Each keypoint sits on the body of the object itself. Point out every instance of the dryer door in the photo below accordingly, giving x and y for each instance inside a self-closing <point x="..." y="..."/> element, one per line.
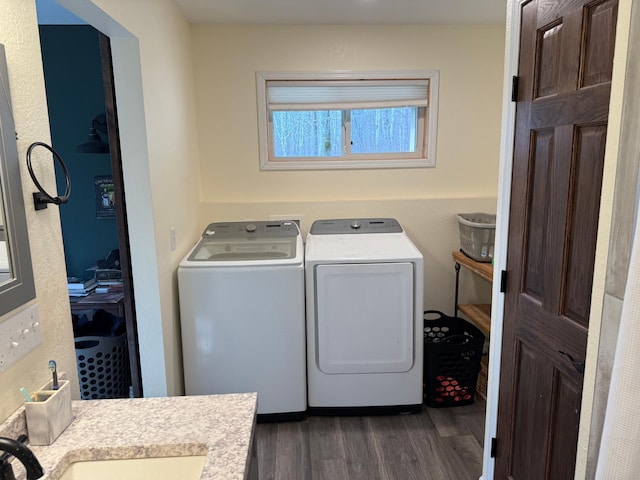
<point x="364" y="318"/>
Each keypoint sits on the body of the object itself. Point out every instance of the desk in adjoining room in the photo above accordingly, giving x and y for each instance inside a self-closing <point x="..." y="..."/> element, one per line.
<point x="110" y="302"/>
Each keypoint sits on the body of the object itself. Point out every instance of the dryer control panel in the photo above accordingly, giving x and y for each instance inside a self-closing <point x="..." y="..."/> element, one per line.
<point x="355" y="225"/>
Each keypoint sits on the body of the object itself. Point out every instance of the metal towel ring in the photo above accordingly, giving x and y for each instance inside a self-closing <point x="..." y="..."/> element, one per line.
<point x="42" y="198"/>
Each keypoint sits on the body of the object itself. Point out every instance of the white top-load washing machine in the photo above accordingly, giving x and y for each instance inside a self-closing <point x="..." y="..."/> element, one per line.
<point x="242" y="314"/>
<point x="364" y="283"/>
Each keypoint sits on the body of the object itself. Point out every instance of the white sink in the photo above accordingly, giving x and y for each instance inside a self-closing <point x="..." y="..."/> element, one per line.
<point x="166" y="468"/>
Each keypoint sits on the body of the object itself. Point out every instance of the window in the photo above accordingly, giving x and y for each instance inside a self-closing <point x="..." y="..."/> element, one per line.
<point x="347" y="120"/>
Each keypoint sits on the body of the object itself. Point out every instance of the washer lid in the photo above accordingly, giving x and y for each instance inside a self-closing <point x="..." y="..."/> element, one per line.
<point x="246" y="241"/>
<point x="243" y="249"/>
<point x="355" y="226"/>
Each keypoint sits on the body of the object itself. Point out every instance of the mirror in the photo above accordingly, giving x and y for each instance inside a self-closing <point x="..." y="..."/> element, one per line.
<point x="5" y="267"/>
<point x="16" y="275"/>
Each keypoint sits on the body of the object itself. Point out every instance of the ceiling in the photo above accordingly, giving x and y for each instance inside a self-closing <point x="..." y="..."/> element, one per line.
<point x="319" y="12"/>
<point x="345" y="12"/>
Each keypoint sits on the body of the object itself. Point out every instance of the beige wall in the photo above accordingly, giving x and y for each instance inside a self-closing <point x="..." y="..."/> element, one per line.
<point x="424" y="200"/>
<point x="19" y="34"/>
<point x="470" y="64"/>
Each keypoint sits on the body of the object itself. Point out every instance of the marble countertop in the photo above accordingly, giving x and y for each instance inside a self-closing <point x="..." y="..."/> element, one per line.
<point x="220" y="426"/>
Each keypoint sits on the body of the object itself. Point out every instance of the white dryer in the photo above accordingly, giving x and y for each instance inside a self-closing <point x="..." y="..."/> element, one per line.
<point x="242" y="315"/>
<point x="364" y="284"/>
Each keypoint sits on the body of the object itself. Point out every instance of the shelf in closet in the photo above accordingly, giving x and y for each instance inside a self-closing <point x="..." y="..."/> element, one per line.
<point x="479" y="314"/>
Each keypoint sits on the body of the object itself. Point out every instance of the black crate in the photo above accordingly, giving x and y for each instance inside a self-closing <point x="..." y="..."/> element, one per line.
<point x="452" y="353"/>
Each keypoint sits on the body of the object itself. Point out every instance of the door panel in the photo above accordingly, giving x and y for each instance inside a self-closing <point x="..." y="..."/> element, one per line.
<point x="564" y="420"/>
<point x="365" y="317"/>
<point x="566" y="58"/>
<point x="599" y="43"/>
<point x="539" y="167"/>
<point x="585" y="196"/>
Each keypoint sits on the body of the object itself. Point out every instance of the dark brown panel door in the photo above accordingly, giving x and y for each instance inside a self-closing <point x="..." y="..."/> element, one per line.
<point x="566" y="57"/>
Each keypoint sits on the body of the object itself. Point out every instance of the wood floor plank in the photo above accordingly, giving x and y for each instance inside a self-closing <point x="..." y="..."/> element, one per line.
<point x="436" y="444"/>
<point x="447" y="421"/>
<point x="398" y="457"/>
<point x="478" y="406"/>
<point x="425" y="439"/>
<point x="455" y="459"/>
<point x="464" y="457"/>
<point x="475" y="423"/>
<point x="266" y="439"/>
<point x="361" y="460"/>
<point x="329" y="469"/>
<point x="325" y="440"/>
<point x="293" y="459"/>
<point x="472" y="416"/>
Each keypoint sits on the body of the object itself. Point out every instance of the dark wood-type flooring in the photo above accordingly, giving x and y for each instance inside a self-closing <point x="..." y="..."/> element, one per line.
<point x="436" y="444"/>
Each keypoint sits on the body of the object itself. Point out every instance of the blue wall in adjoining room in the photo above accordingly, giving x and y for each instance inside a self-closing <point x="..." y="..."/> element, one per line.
<point x="75" y="95"/>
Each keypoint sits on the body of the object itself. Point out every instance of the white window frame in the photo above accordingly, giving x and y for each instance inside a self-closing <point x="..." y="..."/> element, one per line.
<point x="424" y="157"/>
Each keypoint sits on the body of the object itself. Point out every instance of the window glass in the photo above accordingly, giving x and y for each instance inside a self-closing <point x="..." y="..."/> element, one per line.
<point x="307" y="133"/>
<point x="384" y="130"/>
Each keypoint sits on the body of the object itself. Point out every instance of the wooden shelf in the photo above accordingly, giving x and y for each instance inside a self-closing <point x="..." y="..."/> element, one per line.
<point x="484" y="270"/>
<point x="479" y="315"/>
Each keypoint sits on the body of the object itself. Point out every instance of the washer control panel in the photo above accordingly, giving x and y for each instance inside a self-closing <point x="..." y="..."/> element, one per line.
<point x="355" y="225"/>
<point x="248" y="230"/>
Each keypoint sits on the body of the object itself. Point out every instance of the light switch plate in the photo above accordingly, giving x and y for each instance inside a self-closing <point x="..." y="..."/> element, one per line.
<point x="172" y="235"/>
<point x="19" y="335"/>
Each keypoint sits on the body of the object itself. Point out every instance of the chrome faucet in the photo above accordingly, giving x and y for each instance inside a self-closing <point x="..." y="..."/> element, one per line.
<point x="22" y="453"/>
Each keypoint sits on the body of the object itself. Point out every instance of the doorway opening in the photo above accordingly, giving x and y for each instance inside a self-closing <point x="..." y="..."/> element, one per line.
<point x="81" y="103"/>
